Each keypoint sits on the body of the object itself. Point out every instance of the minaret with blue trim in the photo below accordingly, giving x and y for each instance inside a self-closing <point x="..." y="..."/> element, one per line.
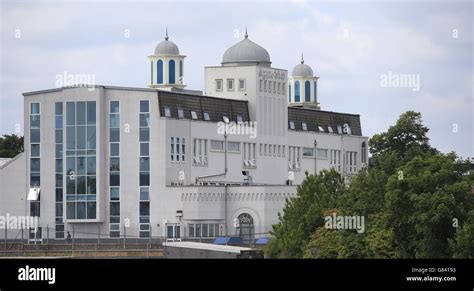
<point x="303" y="86"/>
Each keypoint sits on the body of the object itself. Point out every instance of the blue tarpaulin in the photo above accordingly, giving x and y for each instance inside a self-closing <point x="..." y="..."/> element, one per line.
<point x="262" y="241"/>
<point x="231" y="240"/>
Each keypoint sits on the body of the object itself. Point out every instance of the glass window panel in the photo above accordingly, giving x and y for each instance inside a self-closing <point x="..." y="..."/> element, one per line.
<point x="70" y="166"/>
<point x="81" y="137"/>
<point x="114" y="107"/>
<point x="114" y="179"/>
<point x="115" y="120"/>
<point x="59" y="194"/>
<point x="81" y="184"/>
<point x="58" y="109"/>
<point x="81" y="165"/>
<point x="206" y="116"/>
<point x="35" y="108"/>
<point x="34" y="135"/>
<point x="70" y="210"/>
<point x="59" y="165"/>
<point x="59" y="136"/>
<point x="144" y="120"/>
<point x="167" y="111"/>
<point x="91" y="210"/>
<point x="114" y="193"/>
<point x="115" y="234"/>
<point x="144" y="208"/>
<point x="71" y="137"/>
<point x="144" y="179"/>
<point x="81" y="210"/>
<point x="114" y="149"/>
<point x="59" y="151"/>
<point x="59" y="180"/>
<point x="114" y="208"/>
<point x="145" y="164"/>
<point x="35" y="165"/>
<point x="59" y="121"/>
<point x="204" y="230"/>
<point x="114" y="164"/>
<point x="144" y="193"/>
<point x="144" y="106"/>
<point x="114" y="135"/>
<point x="114" y="219"/>
<point x="191" y="230"/>
<point x="91" y="166"/>
<point x="70" y="185"/>
<point x="144" y="149"/>
<point x="91" y="137"/>
<point x="115" y="226"/>
<point x="81" y="113"/>
<point x="233" y="146"/>
<point x="35" y="150"/>
<point x="59" y="209"/>
<point x="91" y="112"/>
<point x="34" y="121"/>
<point x="70" y="113"/>
<point x="91" y="185"/>
<point x="145" y="134"/>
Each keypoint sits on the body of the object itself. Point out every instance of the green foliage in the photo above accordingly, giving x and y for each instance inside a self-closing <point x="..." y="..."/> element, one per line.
<point x="410" y="196"/>
<point x="10" y="145"/>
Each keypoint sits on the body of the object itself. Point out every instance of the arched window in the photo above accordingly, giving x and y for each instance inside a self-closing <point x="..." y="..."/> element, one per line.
<point x="289" y="93"/>
<point x="180" y="69"/>
<point x="159" y="76"/>
<point x="307" y="91"/>
<point x="364" y="153"/>
<point x="297" y="91"/>
<point x="171" y="72"/>
<point x="246" y="228"/>
<point x="151" y="64"/>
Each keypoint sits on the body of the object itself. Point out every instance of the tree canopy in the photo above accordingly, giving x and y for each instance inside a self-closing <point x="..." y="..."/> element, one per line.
<point x="10" y="145"/>
<point x="416" y="201"/>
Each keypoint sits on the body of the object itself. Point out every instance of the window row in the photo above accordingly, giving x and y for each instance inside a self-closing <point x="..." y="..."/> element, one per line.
<point x="272" y="150"/>
<point x="230" y="84"/>
<point x="339" y="129"/>
<point x="197" y="115"/>
<point x="274" y="87"/>
<point x="197" y="230"/>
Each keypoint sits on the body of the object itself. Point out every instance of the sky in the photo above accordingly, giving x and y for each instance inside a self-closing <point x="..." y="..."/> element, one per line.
<point x="359" y="49"/>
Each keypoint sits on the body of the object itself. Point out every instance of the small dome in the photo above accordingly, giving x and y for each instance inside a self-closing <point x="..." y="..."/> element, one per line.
<point x="166" y="47"/>
<point x="246" y="51"/>
<point x="302" y="70"/>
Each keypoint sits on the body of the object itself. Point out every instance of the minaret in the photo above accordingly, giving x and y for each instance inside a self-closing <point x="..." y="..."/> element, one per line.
<point x="303" y="86"/>
<point x="166" y="66"/>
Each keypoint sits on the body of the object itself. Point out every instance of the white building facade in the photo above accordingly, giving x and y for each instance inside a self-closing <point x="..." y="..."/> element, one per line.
<point x="159" y="162"/>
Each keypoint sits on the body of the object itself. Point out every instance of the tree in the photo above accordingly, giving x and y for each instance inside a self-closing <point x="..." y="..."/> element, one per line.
<point x="302" y="215"/>
<point x="10" y="145"/>
<point x="462" y="245"/>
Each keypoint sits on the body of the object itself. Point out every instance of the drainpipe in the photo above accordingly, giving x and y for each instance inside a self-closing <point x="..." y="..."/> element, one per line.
<point x="315" y="157"/>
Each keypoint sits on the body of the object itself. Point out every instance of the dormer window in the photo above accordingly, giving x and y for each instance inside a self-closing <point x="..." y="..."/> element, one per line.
<point x="339" y="129"/>
<point x="206" y="116"/>
<point x="292" y="125"/>
<point x="180" y="113"/>
<point x="330" y="129"/>
<point x="320" y="128"/>
<point x="304" y="126"/>
<point x="194" y="115"/>
<point x="239" y="119"/>
<point x="167" y="111"/>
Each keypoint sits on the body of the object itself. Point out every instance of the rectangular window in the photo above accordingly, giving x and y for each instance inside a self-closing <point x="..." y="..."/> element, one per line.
<point x="206" y="116"/>
<point x="230" y="84"/>
<point x="177" y="149"/>
<point x="219" y="85"/>
<point x="180" y="113"/>
<point x="322" y="153"/>
<point x="308" y="152"/>
<point x="241" y="84"/>
<point x="292" y="125"/>
<point x="304" y="126"/>
<point x="217" y="145"/>
<point x="194" y="115"/>
<point x="167" y="111"/>
<point x="200" y="152"/>
<point x="233" y="146"/>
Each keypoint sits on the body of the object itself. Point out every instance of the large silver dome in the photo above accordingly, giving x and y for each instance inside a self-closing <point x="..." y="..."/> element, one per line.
<point x="166" y="47"/>
<point x="302" y="70"/>
<point x="246" y="51"/>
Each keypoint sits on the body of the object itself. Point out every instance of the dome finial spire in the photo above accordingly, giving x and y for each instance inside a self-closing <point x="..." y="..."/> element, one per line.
<point x="167" y="37"/>
<point x="246" y="34"/>
<point x="302" y="58"/>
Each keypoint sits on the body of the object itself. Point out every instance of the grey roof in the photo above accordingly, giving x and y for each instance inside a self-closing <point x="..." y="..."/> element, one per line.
<point x="246" y="51"/>
<point x="302" y="70"/>
<point x="315" y="118"/>
<point x="215" y="107"/>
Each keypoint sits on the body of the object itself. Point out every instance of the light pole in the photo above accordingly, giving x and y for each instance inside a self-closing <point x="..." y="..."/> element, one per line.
<point x="226" y="120"/>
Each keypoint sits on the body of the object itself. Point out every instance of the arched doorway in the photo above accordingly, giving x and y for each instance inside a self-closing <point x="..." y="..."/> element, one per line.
<point x="246" y="228"/>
